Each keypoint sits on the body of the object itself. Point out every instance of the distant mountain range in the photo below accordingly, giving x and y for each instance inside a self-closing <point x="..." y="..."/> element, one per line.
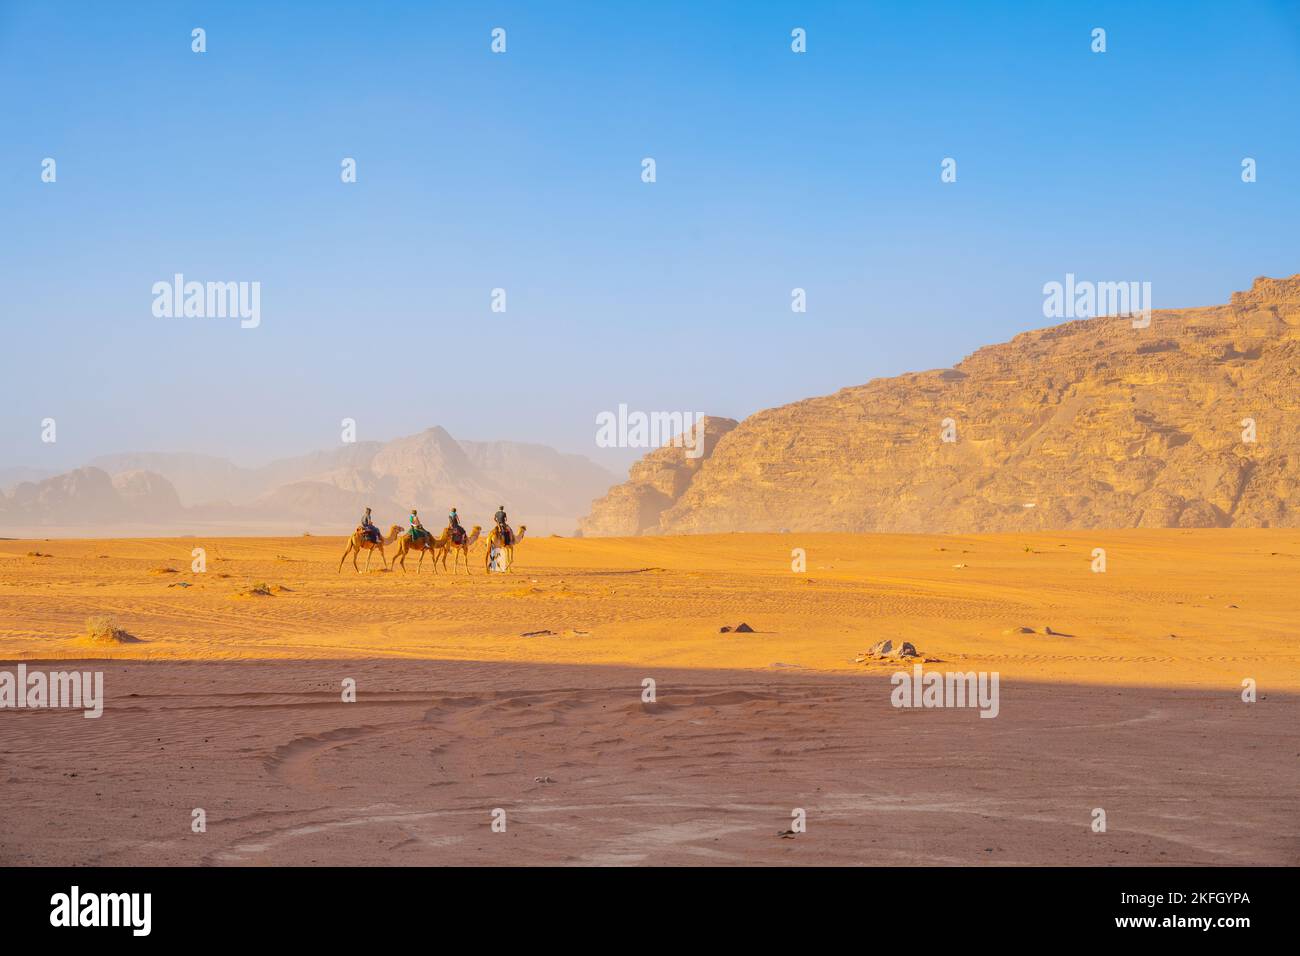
<point x="325" y="491"/>
<point x="1189" y="422"/>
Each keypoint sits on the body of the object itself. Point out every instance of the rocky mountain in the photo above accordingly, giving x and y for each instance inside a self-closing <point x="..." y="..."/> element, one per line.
<point x="195" y="478"/>
<point x="89" y="496"/>
<point x="1188" y="422"/>
<point x="14" y="475"/>
<point x="321" y="491"/>
<point x="145" y="493"/>
<point x="200" y="479"/>
<point x="654" y="484"/>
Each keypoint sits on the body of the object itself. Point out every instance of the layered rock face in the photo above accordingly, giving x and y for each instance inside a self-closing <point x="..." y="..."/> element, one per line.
<point x="654" y="484"/>
<point x="1090" y="424"/>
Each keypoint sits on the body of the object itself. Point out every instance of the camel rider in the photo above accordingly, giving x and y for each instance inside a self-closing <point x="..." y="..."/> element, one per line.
<point x="453" y="522"/>
<point x="368" y="527"/>
<point x="417" y="528"/>
<point x="502" y="527"/>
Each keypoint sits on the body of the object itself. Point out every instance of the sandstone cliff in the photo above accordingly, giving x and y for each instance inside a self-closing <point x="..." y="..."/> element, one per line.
<point x="1088" y="424"/>
<point x="654" y="484"/>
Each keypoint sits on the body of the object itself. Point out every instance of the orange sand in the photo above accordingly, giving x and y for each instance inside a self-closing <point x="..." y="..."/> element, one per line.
<point x="1174" y="608"/>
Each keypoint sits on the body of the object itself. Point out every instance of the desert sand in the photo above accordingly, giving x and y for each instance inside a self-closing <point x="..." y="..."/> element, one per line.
<point x="524" y="692"/>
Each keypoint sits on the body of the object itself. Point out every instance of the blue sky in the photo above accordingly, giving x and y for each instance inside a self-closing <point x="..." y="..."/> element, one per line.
<point x="522" y="171"/>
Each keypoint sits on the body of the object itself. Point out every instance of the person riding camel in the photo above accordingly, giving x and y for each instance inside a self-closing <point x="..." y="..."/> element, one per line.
<point x="417" y="528"/>
<point x="502" y="527"/>
<point x="457" y="532"/>
<point x="368" y="527"/>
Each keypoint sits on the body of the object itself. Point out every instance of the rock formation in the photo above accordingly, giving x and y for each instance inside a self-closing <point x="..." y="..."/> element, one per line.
<point x="322" y="491"/>
<point x="654" y="484"/>
<point x="1093" y="423"/>
<point x="89" y="496"/>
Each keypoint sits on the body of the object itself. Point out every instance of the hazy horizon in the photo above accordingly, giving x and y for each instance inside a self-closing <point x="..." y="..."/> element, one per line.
<point x="253" y="464"/>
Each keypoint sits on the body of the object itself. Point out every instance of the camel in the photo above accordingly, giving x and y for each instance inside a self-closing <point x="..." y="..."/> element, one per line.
<point x="445" y="544"/>
<point x="494" y="540"/>
<point x="359" y="542"/>
<point x="426" y="542"/>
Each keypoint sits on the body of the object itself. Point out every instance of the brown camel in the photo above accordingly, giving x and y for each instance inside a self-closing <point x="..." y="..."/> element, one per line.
<point x="425" y="542"/>
<point x="359" y="542"/>
<point x="460" y="549"/>
<point x="494" y="541"/>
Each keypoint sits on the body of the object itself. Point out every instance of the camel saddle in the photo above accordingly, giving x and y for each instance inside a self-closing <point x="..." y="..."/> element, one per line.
<point x="508" y="536"/>
<point x="457" y="535"/>
<point x="371" y="534"/>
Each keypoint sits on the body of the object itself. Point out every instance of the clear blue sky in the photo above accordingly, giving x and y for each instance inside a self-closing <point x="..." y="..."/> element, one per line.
<point x="522" y="171"/>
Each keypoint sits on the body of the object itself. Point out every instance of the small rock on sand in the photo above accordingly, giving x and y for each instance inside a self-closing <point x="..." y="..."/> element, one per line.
<point x="888" y="648"/>
<point x="1022" y="629"/>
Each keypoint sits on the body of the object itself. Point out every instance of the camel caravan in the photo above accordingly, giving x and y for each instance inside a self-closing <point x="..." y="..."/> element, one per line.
<point x="499" y="556"/>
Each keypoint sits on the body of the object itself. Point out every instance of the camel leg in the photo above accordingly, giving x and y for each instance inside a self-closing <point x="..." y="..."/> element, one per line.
<point x="383" y="560"/>
<point x="418" y="564"/>
<point x="345" y="555"/>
